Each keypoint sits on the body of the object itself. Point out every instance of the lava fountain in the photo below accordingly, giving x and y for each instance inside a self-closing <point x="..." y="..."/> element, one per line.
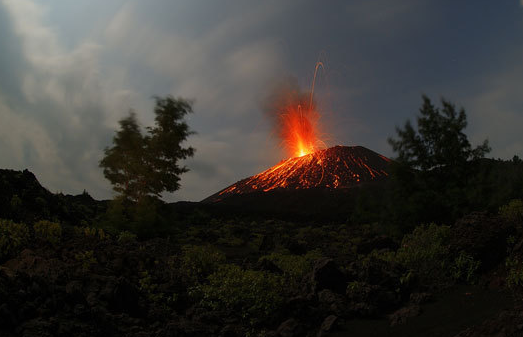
<point x="297" y="118"/>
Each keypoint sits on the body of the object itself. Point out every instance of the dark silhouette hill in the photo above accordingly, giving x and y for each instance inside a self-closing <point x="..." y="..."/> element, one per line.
<point x="23" y="198"/>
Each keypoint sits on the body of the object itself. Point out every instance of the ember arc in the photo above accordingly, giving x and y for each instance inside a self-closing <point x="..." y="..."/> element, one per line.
<point x="338" y="167"/>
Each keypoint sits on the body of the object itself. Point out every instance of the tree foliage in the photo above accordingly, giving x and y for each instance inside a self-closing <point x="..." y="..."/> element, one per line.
<point x="140" y="165"/>
<point x="436" y="164"/>
<point x="439" y="141"/>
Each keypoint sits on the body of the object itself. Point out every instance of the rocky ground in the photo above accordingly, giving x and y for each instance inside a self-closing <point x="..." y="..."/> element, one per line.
<point x="80" y="274"/>
<point x="92" y="284"/>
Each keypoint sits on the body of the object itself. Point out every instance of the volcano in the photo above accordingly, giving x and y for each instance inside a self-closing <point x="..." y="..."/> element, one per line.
<point x="335" y="168"/>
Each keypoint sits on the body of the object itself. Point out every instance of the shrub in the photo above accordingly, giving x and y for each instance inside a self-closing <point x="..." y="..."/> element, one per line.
<point x="383" y="255"/>
<point x="86" y="259"/>
<point x="358" y="291"/>
<point x="294" y="267"/>
<point x="514" y="272"/>
<point x="232" y="235"/>
<point x="425" y="251"/>
<point x="198" y="262"/>
<point x="256" y="295"/>
<point x="102" y="235"/>
<point x="144" y="216"/>
<point x="16" y="202"/>
<point x="464" y="268"/>
<point x="91" y="232"/>
<point x="231" y="241"/>
<point x="149" y="287"/>
<point x="48" y="231"/>
<point x="513" y="211"/>
<point x="13" y="236"/>
<point x="126" y="237"/>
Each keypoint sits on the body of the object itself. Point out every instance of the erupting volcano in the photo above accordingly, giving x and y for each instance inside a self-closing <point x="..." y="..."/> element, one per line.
<point x="311" y="165"/>
<point x="339" y="167"/>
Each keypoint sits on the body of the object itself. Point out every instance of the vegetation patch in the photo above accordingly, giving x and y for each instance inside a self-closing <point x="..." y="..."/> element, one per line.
<point x="48" y="231"/>
<point x="13" y="236"/>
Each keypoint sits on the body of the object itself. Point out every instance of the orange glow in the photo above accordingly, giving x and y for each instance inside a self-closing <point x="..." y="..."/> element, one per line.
<point x="338" y="167"/>
<point x="299" y="131"/>
<point x="299" y="125"/>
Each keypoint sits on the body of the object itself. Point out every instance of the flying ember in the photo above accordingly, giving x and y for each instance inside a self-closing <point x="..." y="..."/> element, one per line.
<point x="299" y="130"/>
<point x="297" y="119"/>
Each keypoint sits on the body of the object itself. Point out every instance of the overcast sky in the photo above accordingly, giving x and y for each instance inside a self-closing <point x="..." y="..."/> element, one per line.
<point x="69" y="70"/>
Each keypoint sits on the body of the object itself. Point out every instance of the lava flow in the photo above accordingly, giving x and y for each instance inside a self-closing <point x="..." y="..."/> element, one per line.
<point x="334" y="168"/>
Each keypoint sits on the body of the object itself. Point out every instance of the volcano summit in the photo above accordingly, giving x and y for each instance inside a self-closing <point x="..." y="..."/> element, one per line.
<point x="338" y="167"/>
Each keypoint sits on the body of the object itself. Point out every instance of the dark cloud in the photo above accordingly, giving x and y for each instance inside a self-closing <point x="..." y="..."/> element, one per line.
<point x="11" y="59"/>
<point x="66" y="79"/>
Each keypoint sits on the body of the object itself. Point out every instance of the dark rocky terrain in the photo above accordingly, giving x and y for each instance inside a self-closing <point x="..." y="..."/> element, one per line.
<point x="197" y="273"/>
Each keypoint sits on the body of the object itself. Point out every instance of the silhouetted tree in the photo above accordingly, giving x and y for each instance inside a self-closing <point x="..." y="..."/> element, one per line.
<point x="434" y="160"/>
<point x="140" y="165"/>
<point x="439" y="141"/>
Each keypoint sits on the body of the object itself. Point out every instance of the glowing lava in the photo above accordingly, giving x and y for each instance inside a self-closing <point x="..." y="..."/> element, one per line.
<point x="338" y="167"/>
<point x="298" y="120"/>
<point x="299" y="130"/>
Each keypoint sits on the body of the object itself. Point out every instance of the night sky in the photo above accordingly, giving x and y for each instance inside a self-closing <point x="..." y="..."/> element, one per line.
<point x="69" y="70"/>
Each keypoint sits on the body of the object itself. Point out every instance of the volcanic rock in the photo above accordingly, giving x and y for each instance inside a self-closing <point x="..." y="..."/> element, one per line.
<point x="338" y="167"/>
<point x="401" y="316"/>
<point x="290" y="328"/>
<point x="328" y="325"/>
<point x="326" y="275"/>
<point x="481" y="236"/>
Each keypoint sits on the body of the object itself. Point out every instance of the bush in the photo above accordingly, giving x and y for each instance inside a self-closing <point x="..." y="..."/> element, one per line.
<point x="256" y="295"/>
<point x="358" y="291"/>
<point x="86" y="259"/>
<point x="145" y="217"/>
<point x="13" y="236"/>
<point x="149" y="287"/>
<point x="294" y="267"/>
<point x="232" y="235"/>
<point x="514" y="272"/>
<point x="464" y="268"/>
<point x="426" y="252"/>
<point x="48" y="231"/>
<point x="513" y="211"/>
<point x="16" y="202"/>
<point x="126" y="237"/>
<point x="198" y="262"/>
<point x="91" y="232"/>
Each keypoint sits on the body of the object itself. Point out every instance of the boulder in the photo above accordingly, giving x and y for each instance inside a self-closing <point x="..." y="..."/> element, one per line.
<point x="267" y="265"/>
<point x="290" y="328"/>
<point x="370" y="300"/>
<point x="482" y="236"/>
<point x="328" y="325"/>
<point x="420" y="298"/>
<point x="122" y="296"/>
<point x="326" y="275"/>
<point x="401" y="316"/>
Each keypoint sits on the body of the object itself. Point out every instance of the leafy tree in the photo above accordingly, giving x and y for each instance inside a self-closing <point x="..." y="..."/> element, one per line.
<point x="439" y="141"/>
<point x="434" y="165"/>
<point x="139" y="165"/>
